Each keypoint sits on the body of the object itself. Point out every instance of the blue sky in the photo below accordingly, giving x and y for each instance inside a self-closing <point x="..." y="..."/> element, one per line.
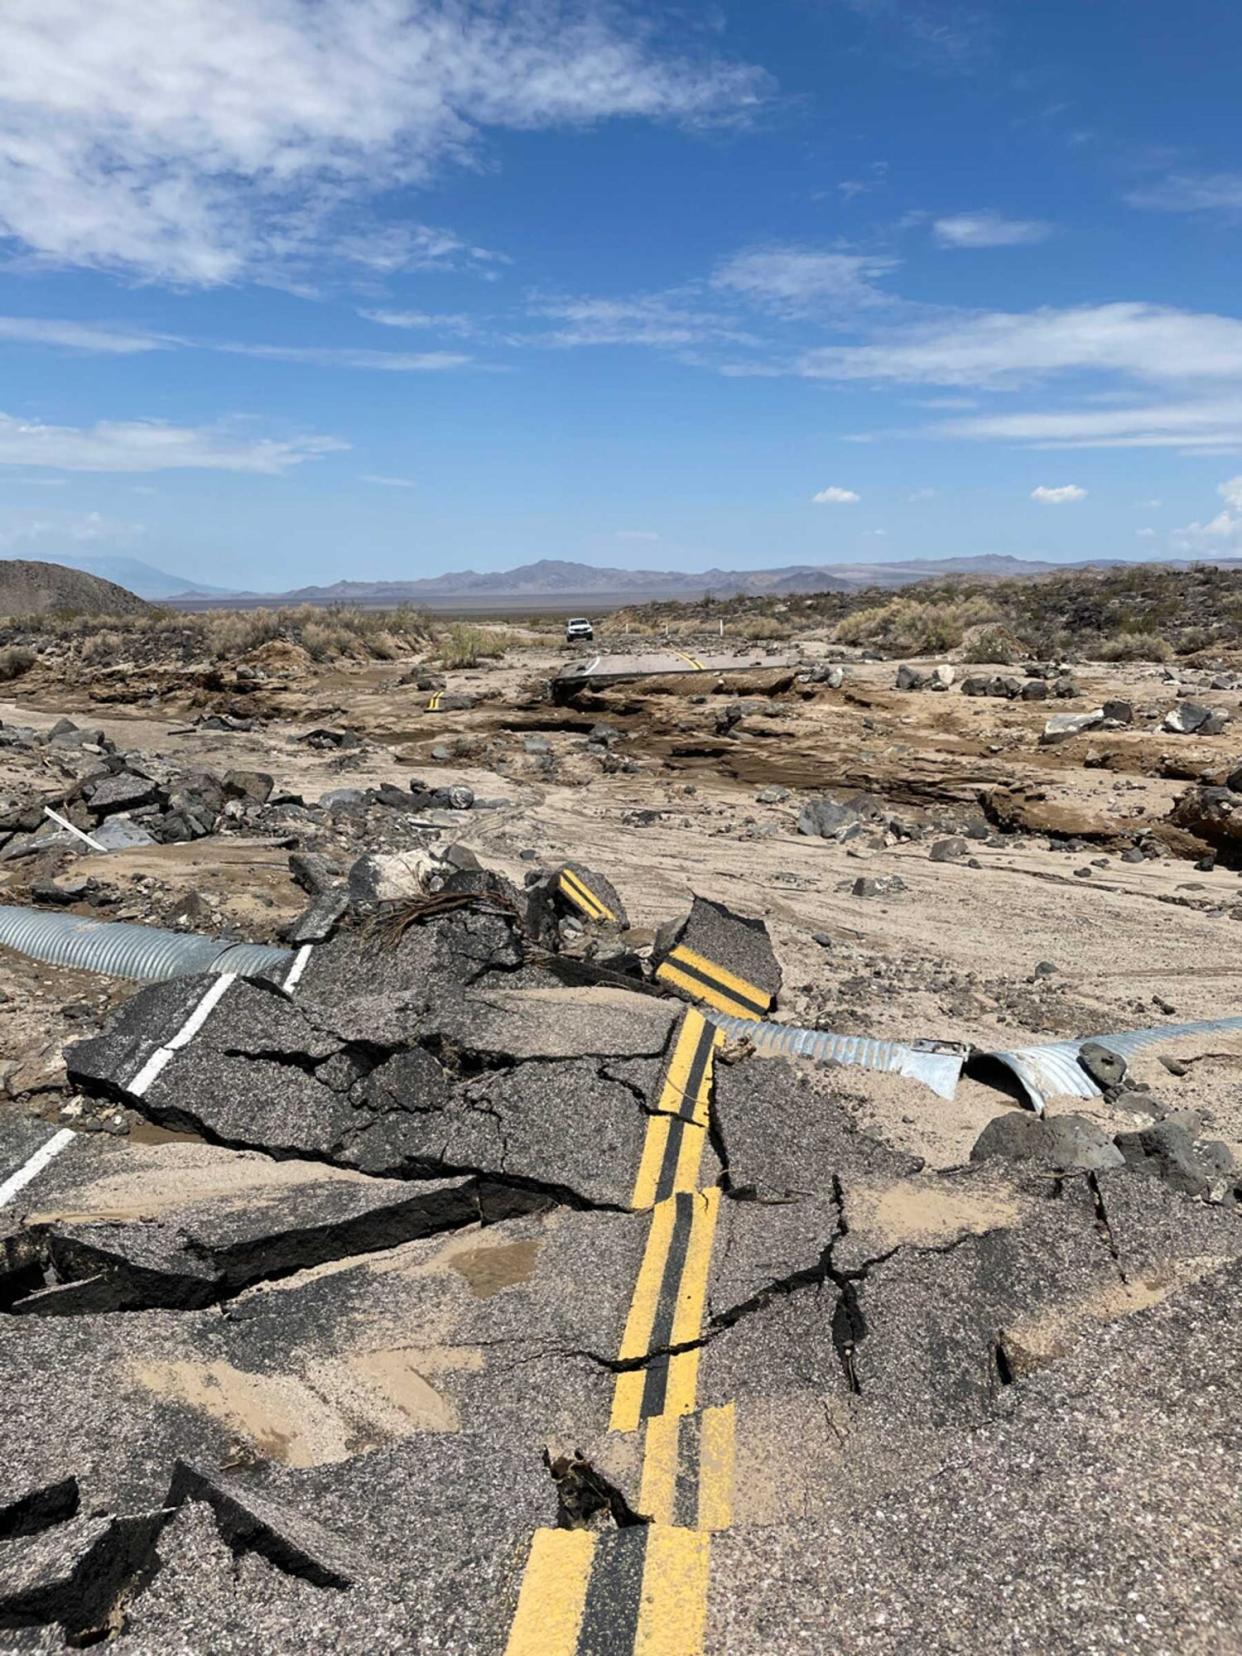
<point x="296" y="290"/>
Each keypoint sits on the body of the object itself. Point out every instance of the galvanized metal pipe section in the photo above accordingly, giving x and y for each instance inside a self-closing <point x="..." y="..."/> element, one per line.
<point x="119" y="949"/>
<point x="937" y="1065"/>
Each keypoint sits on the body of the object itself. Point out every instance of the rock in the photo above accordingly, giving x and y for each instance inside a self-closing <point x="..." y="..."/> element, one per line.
<point x="833" y="818"/>
<point x="977" y="684"/>
<point x="1068" y="1141"/>
<point x="1061" y="726"/>
<point x="1119" y="712"/>
<point x="1192" y="718"/>
<point x="1106" y="1068"/>
<point x="456" y="703"/>
<point x="1132" y="855"/>
<point x="909" y="678"/>
<point x="771" y="796"/>
<point x="343" y="799"/>
<point x="943" y="676"/>
<point x="314" y="873"/>
<point x="1065" y="687"/>
<point x="119" y="833"/>
<point x="250" y="785"/>
<point x="122" y="791"/>
<point x="390" y="876"/>
<point x="1044" y="968"/>
<point x="1035" y="690"/>
<point x="881" y="885"/>
<point x="325" y="738"/>
<point x="1165" y="1151"/>
<point x="948" y="850"/>
<point x="319" y="919"/>
<point x="1211" y="814"/>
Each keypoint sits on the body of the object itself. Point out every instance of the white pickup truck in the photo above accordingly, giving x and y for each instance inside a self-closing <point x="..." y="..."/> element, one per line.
<point x="579" y="630"/>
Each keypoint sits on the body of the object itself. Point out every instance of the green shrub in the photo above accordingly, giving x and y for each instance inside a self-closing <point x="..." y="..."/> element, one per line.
<point x="1135" y="646"/>
<point x="14" y="661"/>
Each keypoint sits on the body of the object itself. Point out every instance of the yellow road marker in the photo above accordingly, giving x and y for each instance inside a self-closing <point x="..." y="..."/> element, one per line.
<point x="687" y="1476"/>
<point x="581" y="896"/>
<point x="433" y="706"/>
<point x="673" y="1608"/>
<point x="677" y="1131"/>
<point x="657" y="1494"/>
<point x="553" y="1594"/>
<point x="708" y="981"/>
<point x="667" y="1310"/>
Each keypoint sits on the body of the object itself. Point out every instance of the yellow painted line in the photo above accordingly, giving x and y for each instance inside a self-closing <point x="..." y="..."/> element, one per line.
<point x="657" y="1494"/>
<point x="553" y="1594"/>
<point x="694" y="662"/>
<point x="717" y="1431"/>
<point x="635" y="1342"/>
<point x="683" y="1368"/>
<point x="703" y="991"/>
<point x="673" y="1609"/>
<point x="730" y="980"/>
<point x="651" y="1161"/>
<point x="672" y="1101"/>
<point x="433" y="706"/>
<point x="579" y="892"/>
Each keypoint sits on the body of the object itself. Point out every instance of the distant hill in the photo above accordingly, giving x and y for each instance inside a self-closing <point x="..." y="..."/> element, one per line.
<point x="139" y="577"/>
<point x="558" y="585"/>
<point x="30" y="588"/>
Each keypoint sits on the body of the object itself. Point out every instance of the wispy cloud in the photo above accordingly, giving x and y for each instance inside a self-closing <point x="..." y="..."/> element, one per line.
<point x="387" y="482"/>
<point x="151" y="446"/>
<point x="1064" y="494"/>
<point x="1210" y="425"/>
<point x="212" y="139"/>
<point x="942" y="35"/>
<point x="1004" y="349"/>
<point x="988" y="229"/>
<point x="430" y="321"/>
<point x="80" y="336"/>
<point x="664" y="321"/>
<point x="345" y="356"/>
<point x="805" y="281"/>
<point x="1192" y="193"/>
<point x="834" y="496"/>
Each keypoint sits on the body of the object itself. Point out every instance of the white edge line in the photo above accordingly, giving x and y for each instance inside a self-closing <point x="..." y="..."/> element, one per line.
<point x="32" y="1168"/>
<point x="189" y="1029"/>
<point x="299" y="966"/>
<point x="85" y="838"/>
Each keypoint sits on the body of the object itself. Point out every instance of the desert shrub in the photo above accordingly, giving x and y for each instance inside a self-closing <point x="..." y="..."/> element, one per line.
<point x="909" y="626"/>
<point x="990" y="645"/>
<point x="1135" y="646"/>
<point x="14" y="661"/>
<point x="465" y="646"/>
<point x="102" y="646"/>
<point x="759" y="627"/>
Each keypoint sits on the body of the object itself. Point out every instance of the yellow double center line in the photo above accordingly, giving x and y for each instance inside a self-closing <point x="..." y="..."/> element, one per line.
<point x="708" y="981"/>
<point x="644" y="1589"/>
<point x="693" y="660"/>
<point x="433" y="706"/>
<point x="582" y="897"/>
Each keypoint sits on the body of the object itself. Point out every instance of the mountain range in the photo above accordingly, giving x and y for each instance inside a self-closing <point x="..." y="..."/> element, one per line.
<point x="558" y="585"/>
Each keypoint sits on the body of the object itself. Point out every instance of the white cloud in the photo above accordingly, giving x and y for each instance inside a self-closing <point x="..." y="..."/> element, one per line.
<point x="1146" y="534"/>
<point x="918" y="495"/>
<point x="203" y="140"/>
<point x="1192" y="193"/>
<point x="1061" y="496"/>
<point x="664" y="321"/>
<point x="150" y="446"/>
<point x="432" y="321"/>
<point x="1149" y="505"/>
<point x="345" y="356"/>
<point x="799" y="281"/>
<point x="82" y="528"/>
<point x="1001" y="348"/>
<point x="1209" y="425"/>
<point x="988" y="229"/>
<point x="833" y="496"/>
<point x="387" y="482"/>
<point x="79" y="336"/>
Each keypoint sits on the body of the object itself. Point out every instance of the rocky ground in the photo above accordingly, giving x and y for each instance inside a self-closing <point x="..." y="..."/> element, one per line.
<point x="452" y="1283"/>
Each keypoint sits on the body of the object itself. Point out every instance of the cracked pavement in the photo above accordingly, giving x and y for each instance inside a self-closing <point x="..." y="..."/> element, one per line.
<point x="441" y="1305"/>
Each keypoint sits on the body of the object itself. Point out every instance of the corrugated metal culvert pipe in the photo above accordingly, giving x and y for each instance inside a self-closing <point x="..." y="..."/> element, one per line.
<point x="119" y="949"/>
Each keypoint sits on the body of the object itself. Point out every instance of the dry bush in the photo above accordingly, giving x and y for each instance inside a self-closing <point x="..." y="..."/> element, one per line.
<point x="759" y="627"/>
<point x="1135" y="646"/>
<point x="908" y="626"/>
<point x="14" y="661"/>
<point x="466" y="646"/>
<point x="990" y="646"/>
